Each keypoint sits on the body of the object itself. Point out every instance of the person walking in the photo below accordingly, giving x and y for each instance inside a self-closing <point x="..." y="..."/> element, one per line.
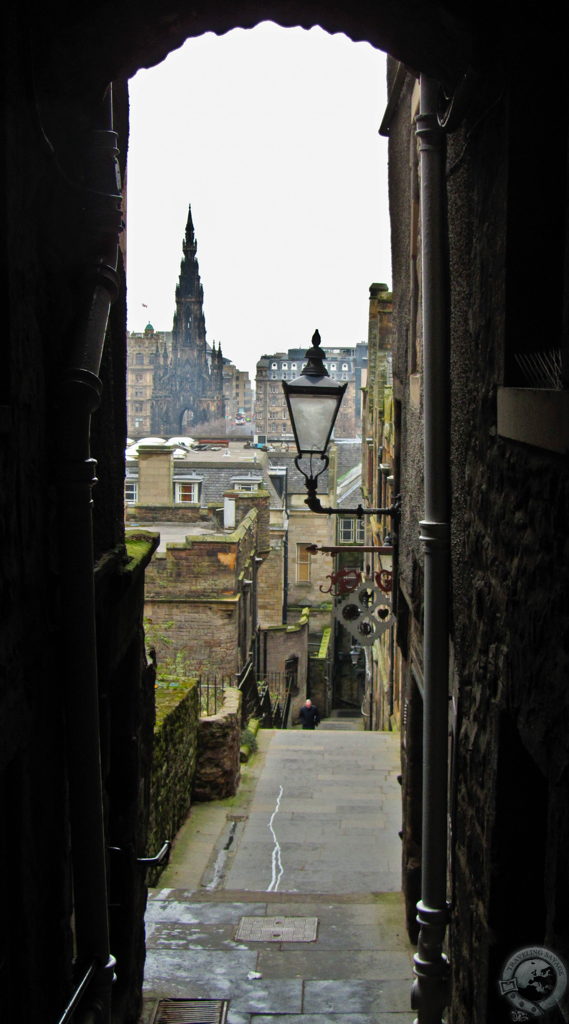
<point x="309" y="716"/>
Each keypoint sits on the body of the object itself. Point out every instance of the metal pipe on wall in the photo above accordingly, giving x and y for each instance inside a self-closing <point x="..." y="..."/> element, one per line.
<point x="79" y="394"/>
<point x="430" y="989"/>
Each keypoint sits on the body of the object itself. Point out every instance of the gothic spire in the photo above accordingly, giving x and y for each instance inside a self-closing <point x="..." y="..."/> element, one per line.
<point x="190" y="244"/>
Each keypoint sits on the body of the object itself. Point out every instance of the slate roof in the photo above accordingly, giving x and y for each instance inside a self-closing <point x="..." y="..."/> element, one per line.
<point x="219" y="472"/>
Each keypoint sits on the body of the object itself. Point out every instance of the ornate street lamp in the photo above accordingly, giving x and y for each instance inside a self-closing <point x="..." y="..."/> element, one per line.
<point x="313" y="401"/>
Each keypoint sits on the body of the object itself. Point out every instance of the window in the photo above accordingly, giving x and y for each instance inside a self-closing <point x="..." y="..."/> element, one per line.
<point x="138" y="407"/>
<point x="293" y="366"/>
<point x="351" y="531"/>
<point x="285" y="366"/>
<point x="131" y="492"/>
<point x="139" y="360"/>
<point x="246" y="486"/>
<point x="302" y="563"/>
<point x="345" y="366"/>
<point x="332" y="366"/>
<point x="274" y="366"/>
<point x="187" y="493"/>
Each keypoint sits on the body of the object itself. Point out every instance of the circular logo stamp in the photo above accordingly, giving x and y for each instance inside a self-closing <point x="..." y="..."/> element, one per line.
<point x="533" y="981"/>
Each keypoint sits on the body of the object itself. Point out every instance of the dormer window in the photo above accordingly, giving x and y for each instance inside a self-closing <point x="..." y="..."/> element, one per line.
<point x="187" y="493"/>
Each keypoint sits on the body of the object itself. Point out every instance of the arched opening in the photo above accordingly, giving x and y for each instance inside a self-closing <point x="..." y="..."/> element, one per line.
<point x="270" y="137"/>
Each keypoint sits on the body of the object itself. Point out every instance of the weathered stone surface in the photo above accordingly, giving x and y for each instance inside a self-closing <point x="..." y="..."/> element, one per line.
<point x="173" y="766"/>
<point x="218" y="766"/>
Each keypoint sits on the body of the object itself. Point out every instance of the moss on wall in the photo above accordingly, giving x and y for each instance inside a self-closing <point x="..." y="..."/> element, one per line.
<point x="173" y="762"/>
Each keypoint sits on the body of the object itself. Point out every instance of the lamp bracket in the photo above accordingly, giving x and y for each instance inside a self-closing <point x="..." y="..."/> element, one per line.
<point x="315" y="505"/>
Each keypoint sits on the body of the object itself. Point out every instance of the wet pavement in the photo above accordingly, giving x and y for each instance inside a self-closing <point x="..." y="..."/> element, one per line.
<point x="312" y="834"/>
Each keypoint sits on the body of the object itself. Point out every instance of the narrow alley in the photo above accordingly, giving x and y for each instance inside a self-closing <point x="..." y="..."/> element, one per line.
<point x="283" y="905"/>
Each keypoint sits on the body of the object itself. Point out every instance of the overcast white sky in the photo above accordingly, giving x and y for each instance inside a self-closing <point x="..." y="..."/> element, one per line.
<point x="272" y="136"/>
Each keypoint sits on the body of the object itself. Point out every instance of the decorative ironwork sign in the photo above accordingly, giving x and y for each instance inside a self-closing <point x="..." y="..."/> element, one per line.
<point x="384" y="580"/>
<point x="366" y="612"/>
<point x="342" y="582"/>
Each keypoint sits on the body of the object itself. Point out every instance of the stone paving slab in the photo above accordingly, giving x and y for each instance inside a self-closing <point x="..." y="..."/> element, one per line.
<point x="170" y="971"/>
<point x="256" y="996"/>
<point x="355" y="996"/>
<point x="175" y="935"/>
<point x="348" y="964"/>
<point x="182" y="912"/>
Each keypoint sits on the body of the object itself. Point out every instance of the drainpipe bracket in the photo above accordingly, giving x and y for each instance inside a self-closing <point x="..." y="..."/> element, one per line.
<point x="434" y="535"/>
<point x="83" y="386"/>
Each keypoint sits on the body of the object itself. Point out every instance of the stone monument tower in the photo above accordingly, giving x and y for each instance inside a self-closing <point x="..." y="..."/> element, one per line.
<point x="187" y="381"/>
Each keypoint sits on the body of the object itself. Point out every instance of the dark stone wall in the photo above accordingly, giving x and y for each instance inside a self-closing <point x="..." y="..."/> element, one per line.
<point x="508" y="586"/>
<point x="173" y="765"/>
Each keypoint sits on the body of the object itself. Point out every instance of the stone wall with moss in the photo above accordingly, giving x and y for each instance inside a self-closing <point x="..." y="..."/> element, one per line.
<point x="173" y="763"/>
<point x="219" y="740"/>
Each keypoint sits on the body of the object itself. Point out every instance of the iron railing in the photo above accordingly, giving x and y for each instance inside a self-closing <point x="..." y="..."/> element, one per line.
<point x="267" y="699"/>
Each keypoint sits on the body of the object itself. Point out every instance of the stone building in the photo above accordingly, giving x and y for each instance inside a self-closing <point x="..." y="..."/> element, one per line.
<point x="480" y="460"/>
<point x="379" y="470"/>
<point x="72" y="640"/>
<point x="238" y="399"/>
<point x="175" y="380"/>
<point x="216" y="601"/>
<point x="272" y="421"/>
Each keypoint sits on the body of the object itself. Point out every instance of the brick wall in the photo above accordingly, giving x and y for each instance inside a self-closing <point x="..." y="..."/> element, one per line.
<point x="204" y="636"/>
<point x="200" y="605"/>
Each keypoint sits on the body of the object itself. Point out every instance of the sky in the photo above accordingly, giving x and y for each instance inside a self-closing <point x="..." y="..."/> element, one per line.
<point x="271" y="135"/>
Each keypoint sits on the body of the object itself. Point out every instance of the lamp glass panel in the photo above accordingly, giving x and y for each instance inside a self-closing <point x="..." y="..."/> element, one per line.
<point x="314" y="417"/>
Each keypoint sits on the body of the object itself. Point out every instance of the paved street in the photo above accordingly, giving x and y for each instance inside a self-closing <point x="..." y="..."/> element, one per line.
<point x="312" y="834"/>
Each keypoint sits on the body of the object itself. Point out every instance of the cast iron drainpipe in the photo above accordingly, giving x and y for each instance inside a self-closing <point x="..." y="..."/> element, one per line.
<point x="430" y="989"/>
<point x="79" y="394"/>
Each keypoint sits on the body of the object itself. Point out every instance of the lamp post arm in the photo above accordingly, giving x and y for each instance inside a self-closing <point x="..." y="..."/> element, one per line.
<point x="315" y="505"/>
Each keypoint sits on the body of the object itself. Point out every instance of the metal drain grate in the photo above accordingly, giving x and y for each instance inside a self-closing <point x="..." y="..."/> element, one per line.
<point x="191" y="1011"/>
<point x="277" y="929"/>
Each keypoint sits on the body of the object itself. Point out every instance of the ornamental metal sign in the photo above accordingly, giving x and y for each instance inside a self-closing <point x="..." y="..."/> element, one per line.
<point x="366" y="613"/>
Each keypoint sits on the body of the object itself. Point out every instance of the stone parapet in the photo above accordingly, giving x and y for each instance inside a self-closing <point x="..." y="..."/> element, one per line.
<point x="218" y="766"/>
<point x="173" y="763"/>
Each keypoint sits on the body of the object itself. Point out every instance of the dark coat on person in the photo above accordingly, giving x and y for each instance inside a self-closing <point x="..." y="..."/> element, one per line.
<point x="309" y="717"/>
